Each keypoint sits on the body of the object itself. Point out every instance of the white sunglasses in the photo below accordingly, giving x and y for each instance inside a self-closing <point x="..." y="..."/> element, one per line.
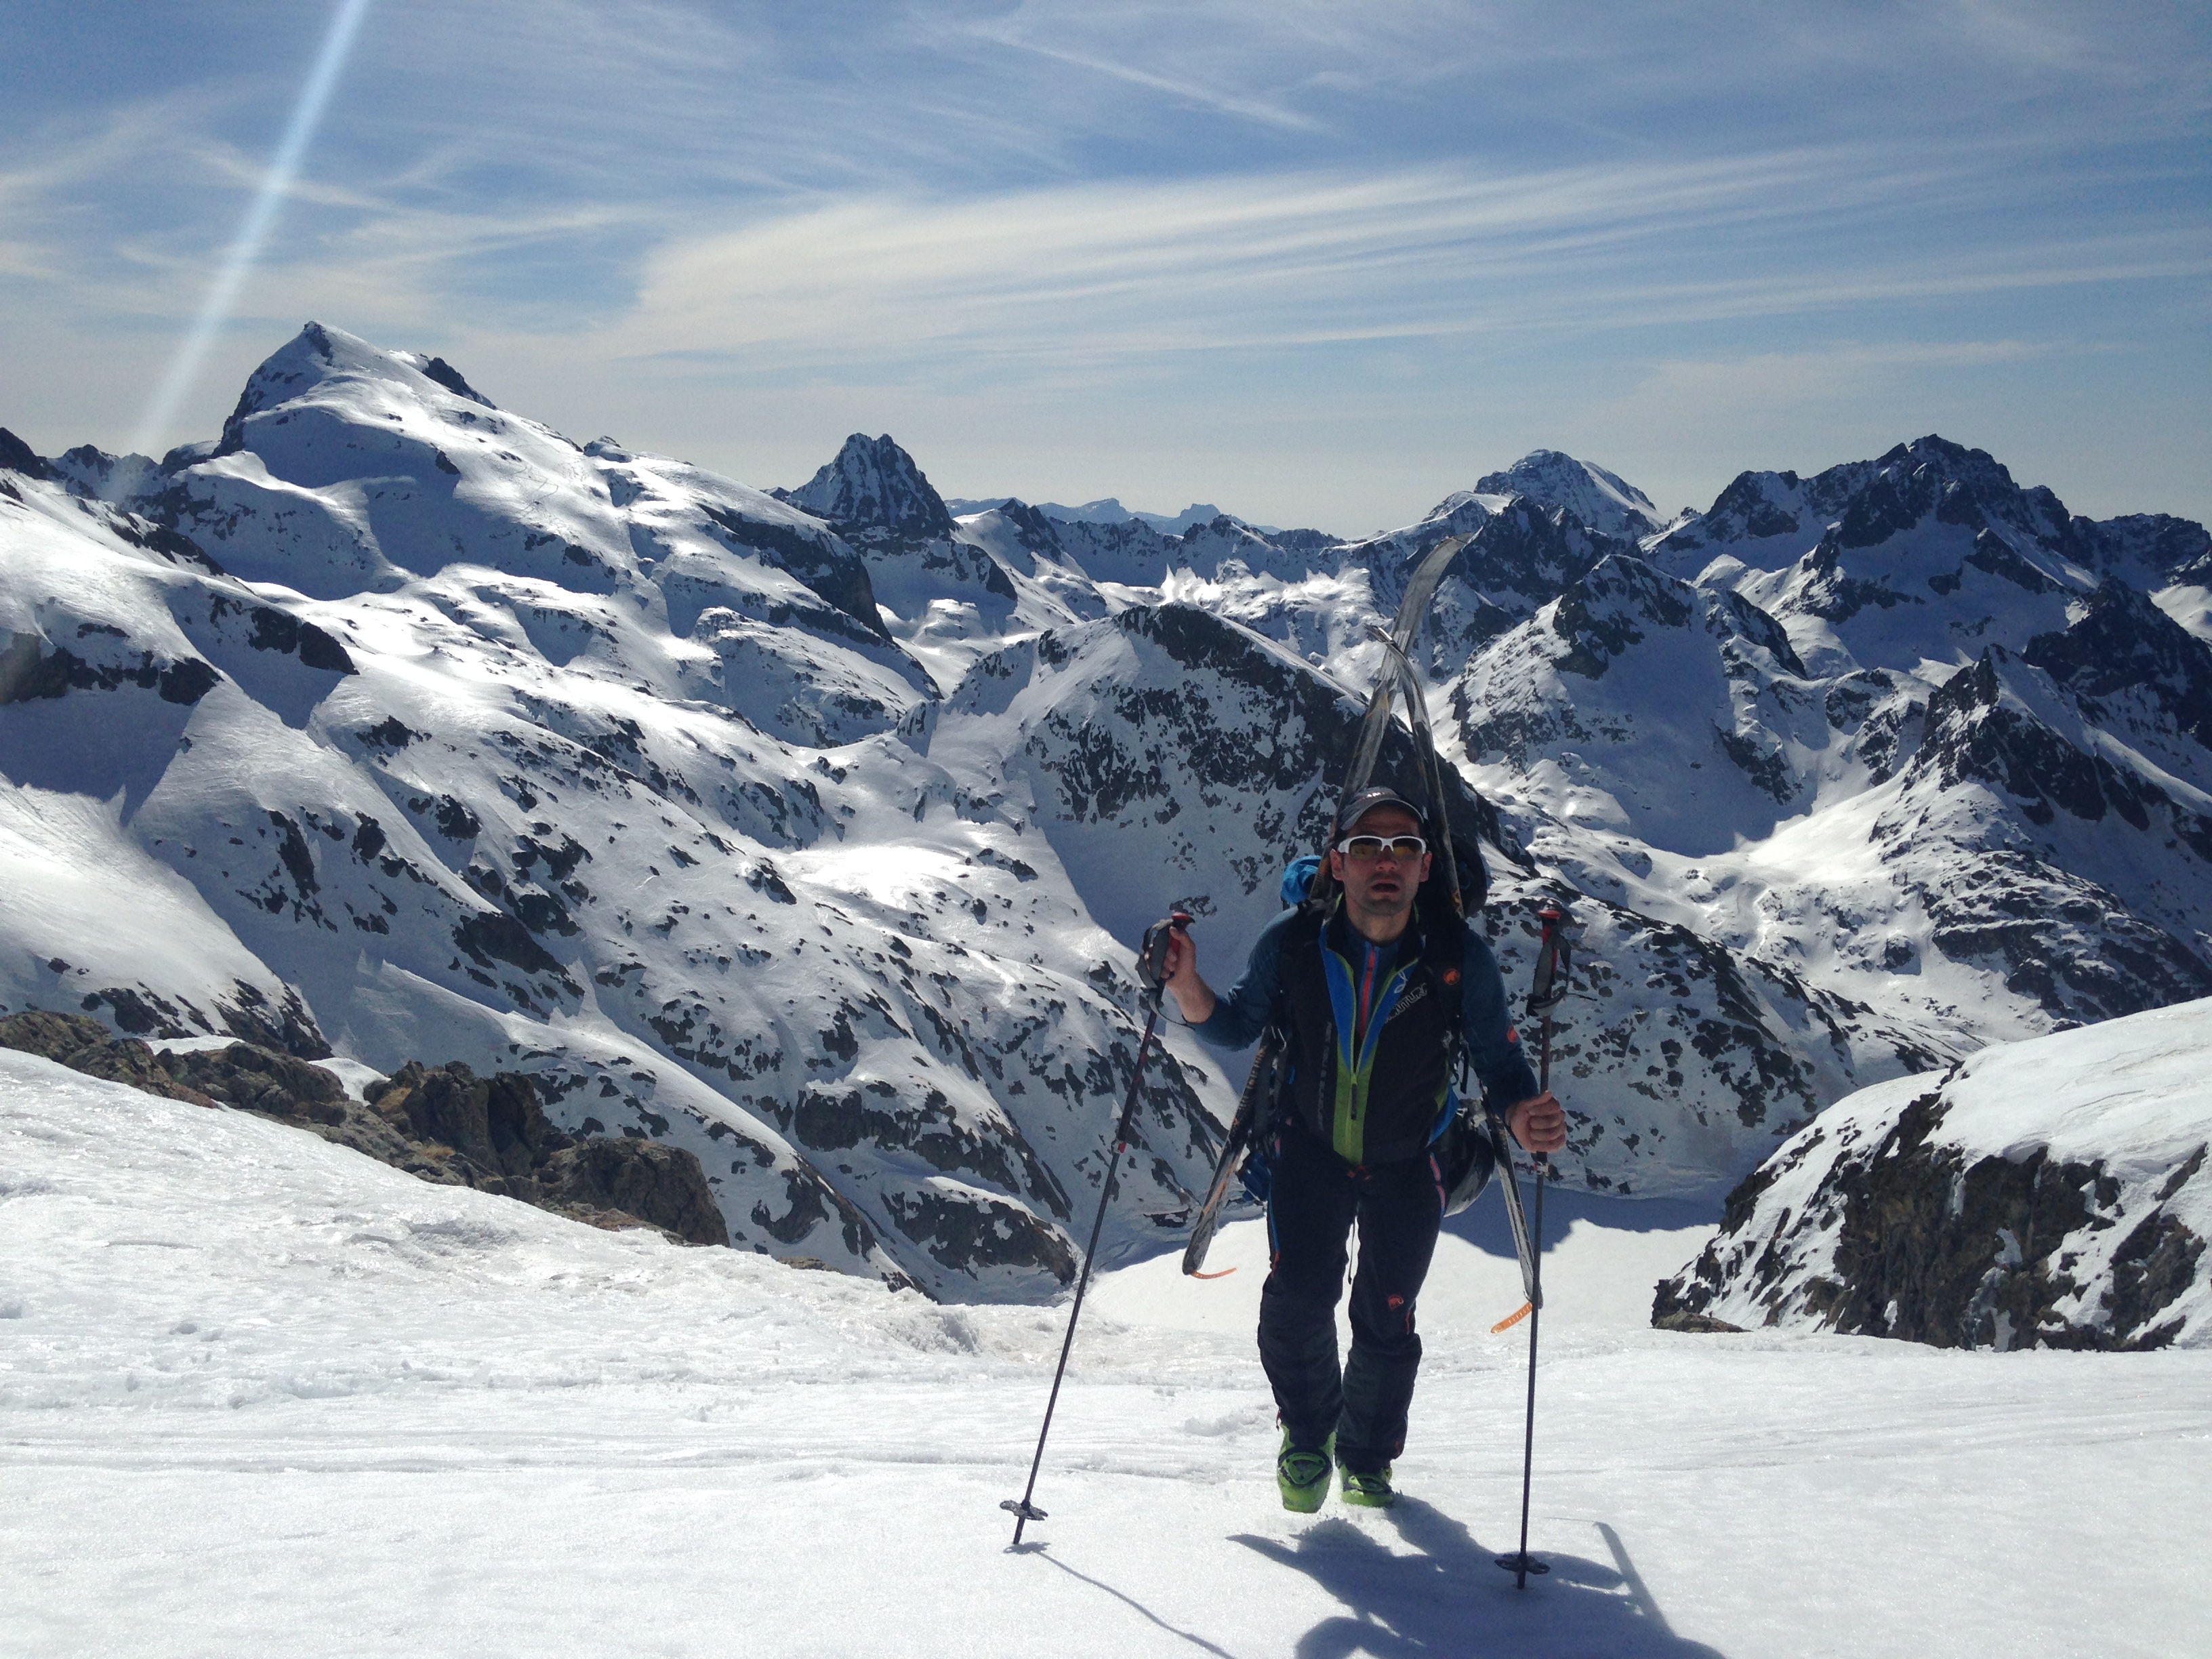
<point x="1362" y="848"/>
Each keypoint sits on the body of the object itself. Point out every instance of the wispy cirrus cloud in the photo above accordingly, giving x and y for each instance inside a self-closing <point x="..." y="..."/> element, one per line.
<point x="1091" y="273"/>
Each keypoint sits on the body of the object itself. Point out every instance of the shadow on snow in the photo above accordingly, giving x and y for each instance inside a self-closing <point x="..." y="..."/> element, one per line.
<point x="1451" y="1598"/>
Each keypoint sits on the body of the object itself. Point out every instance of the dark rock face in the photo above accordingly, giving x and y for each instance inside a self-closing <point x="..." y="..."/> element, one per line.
<point x="497" y="1121"/>
<point x="874" y="482"/>
<point x="1517" y="561"/>
<point x="2083" y="950"/>
<point x="28" y="673"/>
<point x="493" y="1133"/>
<point x="17" y="456"/>
<point x="1864" y="504"/>
<point x="656" y="1182"/>
<point x="448" y="376"/>
<point x="2123" y="645"/>
<point x="818" y="559"/>
<point x="981" y="1232"/>
<point x="51" y="1036"/>
<point x="85" y="1045"/>
<point x="2156" y="548"/>
<point x="138" y="1012"/>
<point x="258" y="1080"/>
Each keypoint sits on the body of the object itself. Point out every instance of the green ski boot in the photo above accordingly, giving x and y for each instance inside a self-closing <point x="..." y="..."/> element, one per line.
<point x="1371" y="1491"/>
<point x="1303" y="1474"/>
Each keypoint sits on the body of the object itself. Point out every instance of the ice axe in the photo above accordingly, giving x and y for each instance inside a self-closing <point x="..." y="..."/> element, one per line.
<point x="1554" y="963"/>
<point x="1152" y="968"/>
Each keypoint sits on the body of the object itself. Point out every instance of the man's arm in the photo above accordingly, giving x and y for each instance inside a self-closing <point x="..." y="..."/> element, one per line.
<point x="1537" y="1120"/>
<point x="1234" y="1021"/>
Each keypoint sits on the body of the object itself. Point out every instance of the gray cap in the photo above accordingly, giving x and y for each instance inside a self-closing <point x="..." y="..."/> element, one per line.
<point x="1366" y="801"/>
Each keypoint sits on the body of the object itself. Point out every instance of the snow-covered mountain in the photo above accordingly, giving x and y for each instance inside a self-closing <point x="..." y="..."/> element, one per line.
<point x="2051" y="1192"/>
<point x="812" y="828"/>
<point x="1603" y="500"/>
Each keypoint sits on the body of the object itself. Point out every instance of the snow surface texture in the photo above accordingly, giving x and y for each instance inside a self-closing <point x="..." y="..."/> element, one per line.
<point x="261" y="1395"/>
<point x="812" y="828"/>
<point x="2049" y="1193"/>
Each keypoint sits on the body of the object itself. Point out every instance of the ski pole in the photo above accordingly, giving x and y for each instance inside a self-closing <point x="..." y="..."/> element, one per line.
<point x="1545" y="996"/>
<point x="1151" y="966"/>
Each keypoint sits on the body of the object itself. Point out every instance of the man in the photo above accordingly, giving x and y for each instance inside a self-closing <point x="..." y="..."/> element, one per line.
<point x="1364" y="999"/>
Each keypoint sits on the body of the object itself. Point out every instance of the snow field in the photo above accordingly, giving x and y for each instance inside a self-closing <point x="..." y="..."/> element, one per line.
<point x="258" y="1395"/>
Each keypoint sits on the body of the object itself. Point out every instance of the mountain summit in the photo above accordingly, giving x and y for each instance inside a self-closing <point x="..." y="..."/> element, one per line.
<point x="1601" y="500"/>
<point x="874" y="484"/>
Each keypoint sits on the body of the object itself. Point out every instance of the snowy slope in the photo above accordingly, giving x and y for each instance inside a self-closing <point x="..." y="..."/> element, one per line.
<point x="2051" y="1192"/>
<point x="258" y="1394"/>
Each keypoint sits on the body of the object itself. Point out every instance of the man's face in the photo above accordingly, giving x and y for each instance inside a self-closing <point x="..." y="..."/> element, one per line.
<point x="1383" y="885"/>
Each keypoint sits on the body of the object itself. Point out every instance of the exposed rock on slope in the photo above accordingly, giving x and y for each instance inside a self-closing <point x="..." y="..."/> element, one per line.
<point x="2052" y="1194"/>
<point x="442" y="1124"/>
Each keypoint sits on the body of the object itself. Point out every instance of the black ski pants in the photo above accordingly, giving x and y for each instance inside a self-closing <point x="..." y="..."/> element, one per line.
<point x="1312" y="1201"/>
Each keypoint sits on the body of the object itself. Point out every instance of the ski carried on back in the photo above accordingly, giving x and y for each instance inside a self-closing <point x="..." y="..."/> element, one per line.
<point x="1258" y="1085"/>
<point x="1397" y="678"/>
<point x="1398" y="662"/>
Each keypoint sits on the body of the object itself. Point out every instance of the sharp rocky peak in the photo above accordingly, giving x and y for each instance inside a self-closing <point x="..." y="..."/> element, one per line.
<point x="874" y="484"/>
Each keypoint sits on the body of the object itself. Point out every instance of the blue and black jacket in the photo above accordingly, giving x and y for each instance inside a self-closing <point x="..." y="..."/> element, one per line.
<point x="1371" y="1030"/>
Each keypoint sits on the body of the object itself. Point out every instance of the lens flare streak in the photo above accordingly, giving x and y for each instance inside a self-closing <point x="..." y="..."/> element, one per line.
<point x="253" y="232"/>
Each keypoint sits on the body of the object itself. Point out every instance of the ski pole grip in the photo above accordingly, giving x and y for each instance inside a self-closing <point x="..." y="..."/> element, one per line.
<point x="1153" y="955"/>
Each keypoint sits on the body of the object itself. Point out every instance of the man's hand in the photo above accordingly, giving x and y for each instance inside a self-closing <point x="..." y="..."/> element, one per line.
<point x="1192" y="994"/>
<point x="1539" y="1123"/>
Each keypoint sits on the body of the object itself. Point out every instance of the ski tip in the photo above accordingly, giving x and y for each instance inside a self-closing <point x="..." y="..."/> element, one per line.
<point x="1514" y="1318"/>
<point x="1218" y="1272"/>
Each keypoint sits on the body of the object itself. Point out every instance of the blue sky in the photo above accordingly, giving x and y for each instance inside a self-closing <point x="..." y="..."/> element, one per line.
<point x="1319" y="264"/>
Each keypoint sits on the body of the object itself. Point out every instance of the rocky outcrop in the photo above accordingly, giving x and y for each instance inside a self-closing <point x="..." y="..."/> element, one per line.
<point x="85" y="1045"/>
<point x="659" y="1183"/>
<point x="443" y="1124"/>
<point x="2049" y="1194"/>
<point x="492" y="1134"/>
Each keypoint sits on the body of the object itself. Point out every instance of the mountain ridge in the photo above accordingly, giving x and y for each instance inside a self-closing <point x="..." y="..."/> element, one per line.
<point x="816" y="826"/>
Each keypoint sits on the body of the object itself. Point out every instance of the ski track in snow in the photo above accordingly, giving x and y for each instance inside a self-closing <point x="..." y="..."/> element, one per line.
<point x="258" y="1395"/>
